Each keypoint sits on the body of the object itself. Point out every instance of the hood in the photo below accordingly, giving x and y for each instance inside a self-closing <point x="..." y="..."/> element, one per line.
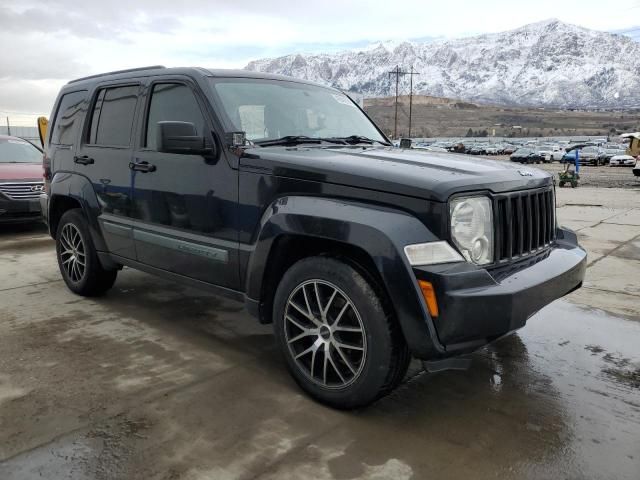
<point x="20" y="171"/>
<point x="422" y="174"/>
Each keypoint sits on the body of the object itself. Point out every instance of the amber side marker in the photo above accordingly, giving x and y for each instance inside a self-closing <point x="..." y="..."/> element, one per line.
<point x="429" y="295"/>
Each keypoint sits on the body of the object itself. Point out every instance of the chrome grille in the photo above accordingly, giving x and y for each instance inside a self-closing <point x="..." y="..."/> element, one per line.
<point x="525" y="223"/>
<point x="22" y="190"/>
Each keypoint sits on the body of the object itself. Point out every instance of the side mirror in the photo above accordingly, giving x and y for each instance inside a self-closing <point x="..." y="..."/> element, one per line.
<point x="181" y="138"/>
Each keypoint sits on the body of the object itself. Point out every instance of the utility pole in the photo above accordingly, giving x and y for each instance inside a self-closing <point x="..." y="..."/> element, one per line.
<point x="397" y="73"/>
<point x="8" y="127"/>
<point x="411" y="74"/>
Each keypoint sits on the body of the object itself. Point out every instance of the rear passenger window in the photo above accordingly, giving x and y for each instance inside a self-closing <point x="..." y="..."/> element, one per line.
<point x="68" y="118"/>
<point x="172" y="102"/>
<point x="112" y="117"/>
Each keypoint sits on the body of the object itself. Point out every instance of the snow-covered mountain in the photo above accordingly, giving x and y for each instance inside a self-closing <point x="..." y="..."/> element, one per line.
<point x="549" y="63"/>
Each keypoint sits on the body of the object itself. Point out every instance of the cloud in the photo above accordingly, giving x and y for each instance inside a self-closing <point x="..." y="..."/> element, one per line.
<point x="65" y="39"/>
<point x="32" y="58"/>
<point x="13" y="99"/>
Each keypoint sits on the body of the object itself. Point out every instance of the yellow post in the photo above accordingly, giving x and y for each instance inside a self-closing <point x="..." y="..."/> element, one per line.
<point x="43" y="124"/>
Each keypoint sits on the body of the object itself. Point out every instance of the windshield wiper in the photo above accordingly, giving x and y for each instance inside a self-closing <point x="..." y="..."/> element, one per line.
<point x="297" y="140"/>
<point x="354" y="139"/>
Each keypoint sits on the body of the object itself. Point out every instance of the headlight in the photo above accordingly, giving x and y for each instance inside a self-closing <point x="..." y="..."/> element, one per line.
<point x="472" y="228"/>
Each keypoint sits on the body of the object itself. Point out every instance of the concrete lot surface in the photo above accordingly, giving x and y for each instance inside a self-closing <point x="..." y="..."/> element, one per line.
<point x="158" y="381"/>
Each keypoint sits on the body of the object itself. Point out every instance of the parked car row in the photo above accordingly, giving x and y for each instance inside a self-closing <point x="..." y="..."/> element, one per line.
<point x="595" y="152"/>
<point x="596" y="156"/>
<point x="491" y="149"/>
<point x="471" y="148"/>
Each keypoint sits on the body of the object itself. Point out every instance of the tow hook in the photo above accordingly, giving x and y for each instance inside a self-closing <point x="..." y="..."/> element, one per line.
<point x="456" y="363"/>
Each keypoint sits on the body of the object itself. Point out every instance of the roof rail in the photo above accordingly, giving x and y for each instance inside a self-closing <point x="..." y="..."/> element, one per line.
<point x="152" y="67"/>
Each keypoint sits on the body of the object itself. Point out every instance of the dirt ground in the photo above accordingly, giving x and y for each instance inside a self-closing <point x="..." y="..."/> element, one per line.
<point x="444" y="117"/>
<point x="159" y="381"/>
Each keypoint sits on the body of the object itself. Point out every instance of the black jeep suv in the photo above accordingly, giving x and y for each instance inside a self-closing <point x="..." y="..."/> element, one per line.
<point x="284" y="195"/>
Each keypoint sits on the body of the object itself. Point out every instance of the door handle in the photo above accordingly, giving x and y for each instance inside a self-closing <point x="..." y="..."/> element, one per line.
<point x="144" y="167"/>
<point x="83" y="160"/>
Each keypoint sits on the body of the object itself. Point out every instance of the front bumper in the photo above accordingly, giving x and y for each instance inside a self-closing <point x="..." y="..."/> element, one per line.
<point x="478" y="305"/>
<point x="18" y="211"/>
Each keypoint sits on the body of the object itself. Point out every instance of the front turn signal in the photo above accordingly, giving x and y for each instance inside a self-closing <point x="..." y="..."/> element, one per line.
<point x="429" y="295"/>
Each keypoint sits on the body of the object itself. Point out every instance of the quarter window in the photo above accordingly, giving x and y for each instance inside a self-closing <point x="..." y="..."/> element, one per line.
<point x="70" y="112"/>
<point x="112" y="118"/>
<point x="172" y="102"/>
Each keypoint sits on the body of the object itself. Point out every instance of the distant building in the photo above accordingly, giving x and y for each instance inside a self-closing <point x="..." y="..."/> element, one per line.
<point x="28" y="133"/>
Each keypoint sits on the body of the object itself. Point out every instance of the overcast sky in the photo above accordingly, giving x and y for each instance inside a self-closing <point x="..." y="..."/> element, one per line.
<point x="44" y="43"/>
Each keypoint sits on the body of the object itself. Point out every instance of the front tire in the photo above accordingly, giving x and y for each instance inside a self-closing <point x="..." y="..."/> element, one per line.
<point x="340" y="344"/>
<point x="77" y="257"/>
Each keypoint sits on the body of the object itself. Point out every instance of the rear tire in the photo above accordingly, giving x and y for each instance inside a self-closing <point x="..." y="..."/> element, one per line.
<point x="340" y="344"/>
<point x="77" y="257"/>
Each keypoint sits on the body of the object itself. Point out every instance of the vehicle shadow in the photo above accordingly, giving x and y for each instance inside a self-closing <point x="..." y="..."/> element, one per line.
<point x="208" y="320"/>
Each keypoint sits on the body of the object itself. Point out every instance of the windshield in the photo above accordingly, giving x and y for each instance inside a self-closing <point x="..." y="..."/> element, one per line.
<point x="523" y="151"/>
<point x="272" y="109"/>
<point x="14" y="150"/>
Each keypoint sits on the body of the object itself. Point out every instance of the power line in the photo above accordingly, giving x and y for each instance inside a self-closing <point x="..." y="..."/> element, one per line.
<point x="397" y="72"/>
<point x="631" y="30"/>
<point x="631" y="8"/>
<point x="13" y="112"/>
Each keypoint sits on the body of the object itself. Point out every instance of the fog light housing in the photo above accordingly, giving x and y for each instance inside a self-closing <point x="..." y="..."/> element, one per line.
<point x="431" y="253"/>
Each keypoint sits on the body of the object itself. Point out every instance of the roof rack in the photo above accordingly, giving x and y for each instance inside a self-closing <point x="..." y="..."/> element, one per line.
<point x="152" y="67"/>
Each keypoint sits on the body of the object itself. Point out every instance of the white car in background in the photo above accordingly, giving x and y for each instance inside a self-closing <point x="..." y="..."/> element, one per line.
<point x="551" y="153"/>
<point x="490" y="150"/>
<point x="622" y="161"/>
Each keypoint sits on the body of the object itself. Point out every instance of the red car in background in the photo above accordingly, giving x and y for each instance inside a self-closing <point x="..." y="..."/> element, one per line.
<point x="21" y="181"/>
